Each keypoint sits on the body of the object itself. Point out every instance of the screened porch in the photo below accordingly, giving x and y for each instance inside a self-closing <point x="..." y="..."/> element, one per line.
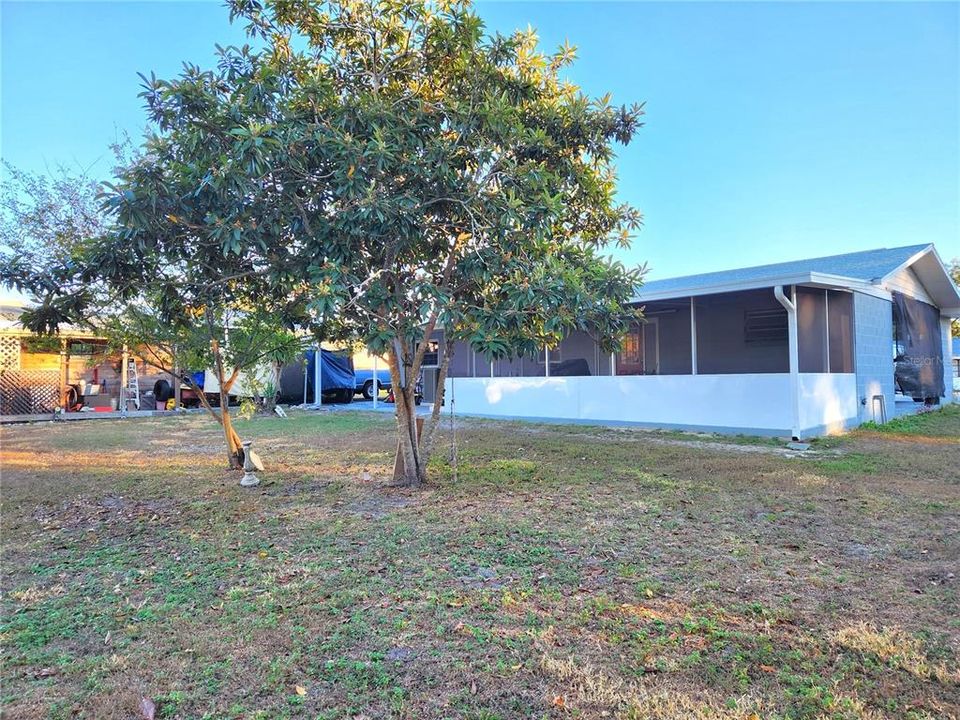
<point x="723" y="334"/>
<point x="736" y="361"/>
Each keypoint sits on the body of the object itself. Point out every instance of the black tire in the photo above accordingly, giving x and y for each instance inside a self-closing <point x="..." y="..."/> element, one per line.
<point x="346" y="396"/>
<point x="162" y="390"/>
<point x="368" y="390"/>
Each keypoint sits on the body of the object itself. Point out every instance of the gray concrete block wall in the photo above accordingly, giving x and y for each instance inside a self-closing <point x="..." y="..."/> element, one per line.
<point x="873" y="353"/>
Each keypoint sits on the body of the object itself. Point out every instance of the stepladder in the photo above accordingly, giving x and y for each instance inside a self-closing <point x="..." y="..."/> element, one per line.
<point x="132" y="387"/>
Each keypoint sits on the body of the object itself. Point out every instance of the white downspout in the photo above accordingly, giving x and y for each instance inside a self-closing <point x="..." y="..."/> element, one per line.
<point x="693" y="337"/>
<point x="790" y="305"/>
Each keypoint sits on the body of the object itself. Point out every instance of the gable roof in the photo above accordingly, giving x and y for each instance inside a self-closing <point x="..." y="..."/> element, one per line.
<point x="865" y="270"/>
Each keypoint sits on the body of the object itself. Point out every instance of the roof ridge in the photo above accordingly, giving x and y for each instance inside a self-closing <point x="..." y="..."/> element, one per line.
<point x="796" y="260"/>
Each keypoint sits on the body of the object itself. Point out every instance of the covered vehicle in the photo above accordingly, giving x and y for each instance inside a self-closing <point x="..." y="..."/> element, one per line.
<point x="337" y="380"/>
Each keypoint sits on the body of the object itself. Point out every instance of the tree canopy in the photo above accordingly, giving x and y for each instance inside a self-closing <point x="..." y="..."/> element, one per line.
<point x="378" y="170"/>
<point x="441" y="177"/>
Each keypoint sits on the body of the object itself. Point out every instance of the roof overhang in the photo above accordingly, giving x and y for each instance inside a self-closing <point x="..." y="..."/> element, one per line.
<point x="811" y="279"/>
<point x="933" y="275"/>
<point x="12" y="328"/>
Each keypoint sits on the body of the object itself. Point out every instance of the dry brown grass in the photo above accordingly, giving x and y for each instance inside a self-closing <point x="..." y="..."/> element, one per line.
<point x="584" y="689"/>
<point x="897" y="648"/>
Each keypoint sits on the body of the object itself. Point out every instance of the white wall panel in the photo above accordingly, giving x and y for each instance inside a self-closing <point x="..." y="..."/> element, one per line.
<point x="828" y="401"/>
<point x="758" y="402"/>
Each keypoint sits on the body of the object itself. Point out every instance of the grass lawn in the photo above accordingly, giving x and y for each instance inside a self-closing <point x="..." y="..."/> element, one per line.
<point x="567" y="572"/>
<point x="943" y="423"/>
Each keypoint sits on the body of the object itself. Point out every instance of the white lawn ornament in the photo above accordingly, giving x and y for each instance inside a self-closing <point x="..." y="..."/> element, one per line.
<point x="251" y="462"/>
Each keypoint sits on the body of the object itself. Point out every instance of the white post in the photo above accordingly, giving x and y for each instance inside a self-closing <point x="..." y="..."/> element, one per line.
<point x="491" y="368"/>
<point x="613" y="364"/>
<point x="826" y="331"/>
<point x="790" y="304"/>
<point x="376" y="383"/>
<point x="546" y="361"/>
<point x="693" y="336"/>
<point x="305" y="377"/>
<point x="317" y="375"/>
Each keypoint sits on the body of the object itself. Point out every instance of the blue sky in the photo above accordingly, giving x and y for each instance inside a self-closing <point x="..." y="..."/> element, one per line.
<point x="773" y="130"/>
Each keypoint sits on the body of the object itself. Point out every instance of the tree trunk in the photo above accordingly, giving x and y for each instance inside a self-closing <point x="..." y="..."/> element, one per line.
<point x="410" y="472"/>
<point x="415" y="446"/>
<point x="433" y="426"/>
<point x="233" y="440"/>
<point x="230" y="435"/>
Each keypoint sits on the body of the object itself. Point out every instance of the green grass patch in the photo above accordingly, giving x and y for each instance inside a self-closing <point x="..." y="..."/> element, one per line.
<point x="941" y="422"/>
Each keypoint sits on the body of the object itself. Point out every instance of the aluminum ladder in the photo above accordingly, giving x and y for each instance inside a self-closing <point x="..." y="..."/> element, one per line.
<point x="133" y="385"/>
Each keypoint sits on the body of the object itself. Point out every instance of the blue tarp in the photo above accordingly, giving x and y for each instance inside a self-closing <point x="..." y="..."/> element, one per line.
<point x="336" y="372"/>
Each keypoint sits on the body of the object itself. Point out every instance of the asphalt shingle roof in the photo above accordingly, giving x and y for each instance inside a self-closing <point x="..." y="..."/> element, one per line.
<point x="867" y="266"/>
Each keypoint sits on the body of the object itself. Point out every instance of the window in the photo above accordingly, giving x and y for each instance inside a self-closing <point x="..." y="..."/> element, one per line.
<point x="765" y="326"/>
<point x="840" y="331"/>
<point x="812" y="342"/>
<point x="431" y="358"/>
<point x="632" y="348"/>
<point x="630" y="359"/>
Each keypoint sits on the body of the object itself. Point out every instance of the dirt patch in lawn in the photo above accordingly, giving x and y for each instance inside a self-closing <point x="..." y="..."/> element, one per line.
<point x="87" y="514"/>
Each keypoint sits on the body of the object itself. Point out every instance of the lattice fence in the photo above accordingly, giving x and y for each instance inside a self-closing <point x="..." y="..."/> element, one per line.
<point x="27" y="392"/>
<point x="10" y="353"/>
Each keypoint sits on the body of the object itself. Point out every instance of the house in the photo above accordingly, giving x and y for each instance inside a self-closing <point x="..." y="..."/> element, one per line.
<point x="799" y="349"/>
<point x="73" y="369"/>
<point x="35" y="371"/>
